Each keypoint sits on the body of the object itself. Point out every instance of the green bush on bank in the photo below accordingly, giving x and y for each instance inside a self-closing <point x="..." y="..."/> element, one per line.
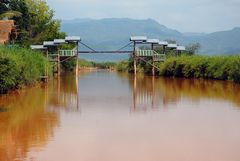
<point x="122" y="66"/>
<point x="209" y="67"/>
<point x="20" y="67"/>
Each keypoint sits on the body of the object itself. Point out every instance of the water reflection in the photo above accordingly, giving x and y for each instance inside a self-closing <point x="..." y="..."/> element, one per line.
<point x="64" y="93"/>
<point x="155" y="93"/>
<point x="99" y="104"/>
<point x="26" y="124"/>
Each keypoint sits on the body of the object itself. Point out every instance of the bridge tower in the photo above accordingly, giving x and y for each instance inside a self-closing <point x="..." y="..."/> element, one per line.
<point x="56" y="56"/>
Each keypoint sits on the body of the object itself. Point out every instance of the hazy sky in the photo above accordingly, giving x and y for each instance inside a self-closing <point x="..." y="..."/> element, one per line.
<point x="183" y="15"/>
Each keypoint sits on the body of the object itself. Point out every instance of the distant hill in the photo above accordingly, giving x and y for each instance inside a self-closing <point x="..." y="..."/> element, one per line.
<point x="110" y="34"/>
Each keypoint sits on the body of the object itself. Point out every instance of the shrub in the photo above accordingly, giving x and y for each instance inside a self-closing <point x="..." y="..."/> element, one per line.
<point x="19" y="67"/>
<point x="196" y="66"/>
<point x="122" y="66"/>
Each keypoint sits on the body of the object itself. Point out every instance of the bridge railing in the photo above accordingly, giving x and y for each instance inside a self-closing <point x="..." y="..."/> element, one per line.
<point x="158" y="57"/>
<point x="67" y="53"/>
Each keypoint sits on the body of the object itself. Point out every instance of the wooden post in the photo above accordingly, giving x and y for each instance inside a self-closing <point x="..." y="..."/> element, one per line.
<point x="134" y="58"/>
<point x="48" y="61"/>
<point x="153" y="68"/>
<point x="59" y="63"/>
<point x="77" y="61"/>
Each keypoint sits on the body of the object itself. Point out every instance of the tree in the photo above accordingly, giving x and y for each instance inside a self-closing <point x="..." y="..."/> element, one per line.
<point x="36" y="23"/>
<point x="6" y="11"/>
<point x="193" y="48"/>
<point x="42" y="25"/>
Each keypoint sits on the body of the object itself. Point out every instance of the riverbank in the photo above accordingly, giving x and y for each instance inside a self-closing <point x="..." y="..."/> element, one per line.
<point x="20" y="67"/>
<point x="207" y="67"/>
<point x="185" y="66"/>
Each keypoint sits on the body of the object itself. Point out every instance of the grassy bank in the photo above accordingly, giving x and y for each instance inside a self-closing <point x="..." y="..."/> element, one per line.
<point x="20" y="67"/>
<point x="208" y="67"/>
<point x="191" y="66"/>
<point x="186" y="66"/>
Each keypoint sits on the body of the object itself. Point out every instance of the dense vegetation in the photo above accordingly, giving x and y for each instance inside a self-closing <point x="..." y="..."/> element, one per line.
<point x="34" y="20"/>
<point x="209" y="67"/>
<point x="35" y="24"/>
<point x="192" y="66"/>
<point x="20" y="67"/>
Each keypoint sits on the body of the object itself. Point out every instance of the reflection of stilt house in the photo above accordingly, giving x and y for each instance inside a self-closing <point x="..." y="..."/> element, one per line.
<point x="145" y="96"/>
<point x="7" y="31"/>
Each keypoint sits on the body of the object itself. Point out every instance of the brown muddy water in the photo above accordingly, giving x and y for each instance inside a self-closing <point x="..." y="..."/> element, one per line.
<point x="104" y="116"/>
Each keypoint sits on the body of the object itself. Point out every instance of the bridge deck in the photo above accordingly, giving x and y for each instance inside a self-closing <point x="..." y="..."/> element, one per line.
<point x="104" y="52"/>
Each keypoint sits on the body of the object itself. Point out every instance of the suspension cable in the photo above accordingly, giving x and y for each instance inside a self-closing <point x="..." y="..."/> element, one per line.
<point x="124" y="46"/>
<point x="88" y="46"/>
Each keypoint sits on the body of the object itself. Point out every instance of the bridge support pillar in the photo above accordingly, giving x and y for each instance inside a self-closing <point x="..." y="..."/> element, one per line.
<point x="153" y="68"/>
<point x="134" y="58"/>
<point x="77" y="61"/>
<point x="59" y="65"/>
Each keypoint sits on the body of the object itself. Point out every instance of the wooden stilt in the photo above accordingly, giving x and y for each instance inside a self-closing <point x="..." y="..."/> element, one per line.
<point x="77" y="60"/>
<point x="153" y="68"/>
<point x="47" y="66"/>
<point x="58" y="65"/>
<point x="134" y="58"/>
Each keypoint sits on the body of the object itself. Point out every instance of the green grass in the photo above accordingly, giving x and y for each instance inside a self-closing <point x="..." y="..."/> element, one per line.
<point x="191" y="66"/>
<point x="208" y="67"/>
<point x="20" y="67"/>
<point x="186" y="66"/>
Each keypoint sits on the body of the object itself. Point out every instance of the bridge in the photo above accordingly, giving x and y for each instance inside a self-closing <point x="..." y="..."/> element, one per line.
<point x="56" y="55"/>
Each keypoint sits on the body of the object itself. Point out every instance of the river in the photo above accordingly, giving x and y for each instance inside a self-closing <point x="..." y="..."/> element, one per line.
<point x="109" y="116"/>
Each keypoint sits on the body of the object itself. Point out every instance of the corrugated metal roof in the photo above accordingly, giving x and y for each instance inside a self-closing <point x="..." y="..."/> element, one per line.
<point x="73" y="38"/>
<point x="181" y="48"/>
<point x="153" y="41"/>
<point x="138" y="38"/>
<point x="164" y="43"/>
<point x="59" y="41"/>
<point x="49" y="43"/>
<point x="38" y="47"/>
<point x="172" y="46"/>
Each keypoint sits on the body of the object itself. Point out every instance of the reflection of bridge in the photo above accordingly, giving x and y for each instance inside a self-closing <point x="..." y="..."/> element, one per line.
<point x="146" y="96"/>
<point x="146" y="93"/>
<point x="59" y="95"/>
<point x="62" y="92"/>
<point x="57" y="55"/>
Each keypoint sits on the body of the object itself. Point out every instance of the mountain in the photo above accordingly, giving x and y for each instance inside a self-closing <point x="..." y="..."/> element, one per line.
<point x="224" y="42"/>
<point x="111" y="34"/>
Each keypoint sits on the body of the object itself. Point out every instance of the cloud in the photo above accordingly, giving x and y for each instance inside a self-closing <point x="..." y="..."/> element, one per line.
<point x="183" y="15"/>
